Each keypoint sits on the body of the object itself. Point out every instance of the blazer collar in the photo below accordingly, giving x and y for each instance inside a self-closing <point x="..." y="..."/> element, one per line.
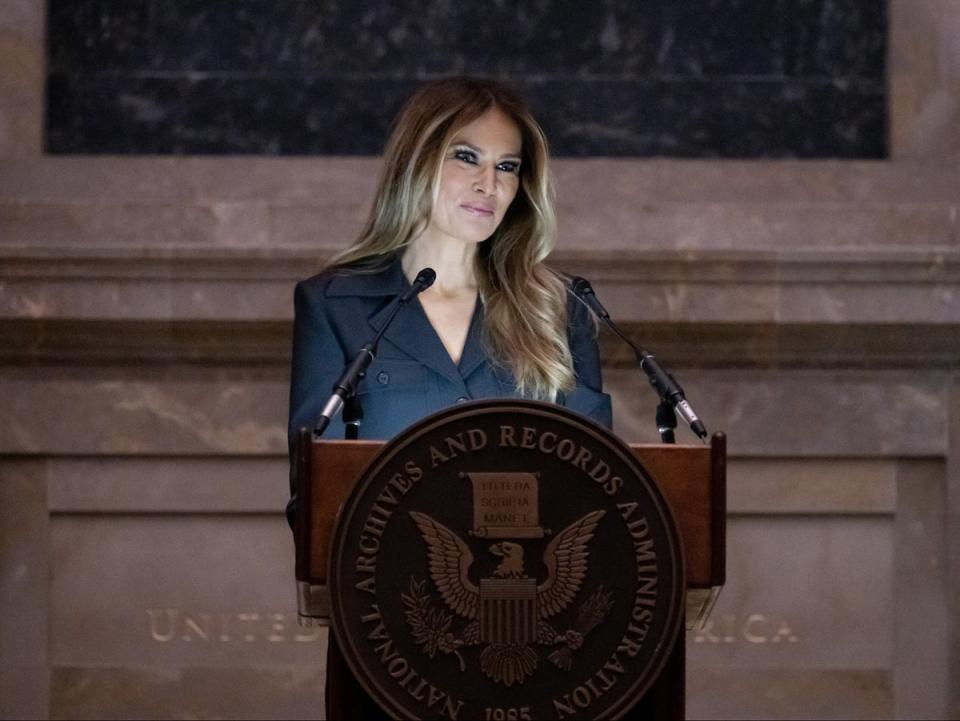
<point x="411" y="330"/>
<point x="386" y="282"/>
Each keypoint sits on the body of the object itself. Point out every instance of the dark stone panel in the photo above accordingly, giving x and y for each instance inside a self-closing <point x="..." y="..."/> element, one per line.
<point x="836" y="38"/>
<point x="410" y="39"/>
<point x="96" y="35"/>
<point x="282" y="115"/>
<point x="254" y="36"/>
<point x="626" y="39"/>
<point x="110" y="114"/>
<point x="266" y="115"/>
<point x="414" y="39"/>
<point x="686" y="37"/>
<point x="710" y="38"/>
<point x="684" y="78"/>
<point x="688" y="119"/>
<point x="142" y="36"/>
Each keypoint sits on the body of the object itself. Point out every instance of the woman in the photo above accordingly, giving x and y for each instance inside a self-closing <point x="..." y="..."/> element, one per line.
<point x="465" y="190"/>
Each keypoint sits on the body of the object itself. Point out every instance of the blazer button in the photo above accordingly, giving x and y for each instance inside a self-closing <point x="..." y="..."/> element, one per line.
<point x="462" y="399"/>
<point x="383" y="378"/>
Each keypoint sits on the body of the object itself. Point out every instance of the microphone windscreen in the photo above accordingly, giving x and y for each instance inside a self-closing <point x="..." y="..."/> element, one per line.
<point x="425" y="278"/>
<point x="580" y="286"/>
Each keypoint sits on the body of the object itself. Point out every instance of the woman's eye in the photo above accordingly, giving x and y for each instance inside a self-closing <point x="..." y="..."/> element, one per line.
<point x="466" y="156"/>
<point x="509" y="166"/>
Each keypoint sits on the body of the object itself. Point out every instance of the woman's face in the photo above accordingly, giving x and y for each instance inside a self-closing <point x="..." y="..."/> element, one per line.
<point x="479" y="179"/>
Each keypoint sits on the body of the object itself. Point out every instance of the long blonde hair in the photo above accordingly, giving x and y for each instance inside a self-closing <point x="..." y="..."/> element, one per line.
<point x="524" y="302"/>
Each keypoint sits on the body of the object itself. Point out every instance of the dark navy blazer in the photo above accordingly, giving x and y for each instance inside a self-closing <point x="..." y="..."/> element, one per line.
<point x="336" y="312"/>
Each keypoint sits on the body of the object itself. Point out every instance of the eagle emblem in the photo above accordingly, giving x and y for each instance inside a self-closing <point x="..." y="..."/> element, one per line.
<point x="509" y="612"/>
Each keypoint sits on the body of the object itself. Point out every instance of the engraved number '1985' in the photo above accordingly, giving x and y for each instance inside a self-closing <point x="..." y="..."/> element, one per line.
<point x="508" y="714"/>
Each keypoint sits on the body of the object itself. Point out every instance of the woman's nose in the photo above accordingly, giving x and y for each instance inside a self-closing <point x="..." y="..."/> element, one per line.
<point x="486" y="181"/>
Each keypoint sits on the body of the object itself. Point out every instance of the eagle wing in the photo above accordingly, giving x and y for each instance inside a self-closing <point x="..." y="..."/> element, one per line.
<point x="566" y="561"/>
<point x="450" y="560"/>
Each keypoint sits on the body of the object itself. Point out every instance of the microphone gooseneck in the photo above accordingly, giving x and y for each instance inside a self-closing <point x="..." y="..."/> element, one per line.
<point x="667" y="388"/>
<point x="345" y="387"/>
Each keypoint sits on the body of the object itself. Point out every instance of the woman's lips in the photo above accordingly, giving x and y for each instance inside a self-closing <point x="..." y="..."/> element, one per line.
<point x="480" y="209"/>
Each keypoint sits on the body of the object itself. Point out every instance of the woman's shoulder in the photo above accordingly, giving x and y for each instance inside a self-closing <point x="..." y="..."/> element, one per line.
<point x="363" y="277"/>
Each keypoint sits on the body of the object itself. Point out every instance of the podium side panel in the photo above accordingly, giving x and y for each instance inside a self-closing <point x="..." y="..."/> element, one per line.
<point x="684" y="476"/>
<point x="335" y="468"/>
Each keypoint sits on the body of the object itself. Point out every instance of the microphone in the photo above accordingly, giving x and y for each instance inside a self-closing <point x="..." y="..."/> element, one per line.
<point x="667" y="388"/>
<point x="584" y="291"/>
<point x="345" y="387"/>
<point x="423" y="281"/>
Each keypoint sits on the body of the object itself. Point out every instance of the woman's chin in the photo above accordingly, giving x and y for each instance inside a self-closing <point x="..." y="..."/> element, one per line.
<point x="474" y="235"/>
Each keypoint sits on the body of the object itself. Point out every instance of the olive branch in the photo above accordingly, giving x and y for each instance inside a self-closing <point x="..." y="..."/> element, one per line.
<point x="429" y="625"/>
<point x="591" y="613"/>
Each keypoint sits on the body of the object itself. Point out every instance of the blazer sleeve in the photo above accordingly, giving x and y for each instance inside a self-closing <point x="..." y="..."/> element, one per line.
<point x="317" y="359"/>
<point x="588" y="397"/>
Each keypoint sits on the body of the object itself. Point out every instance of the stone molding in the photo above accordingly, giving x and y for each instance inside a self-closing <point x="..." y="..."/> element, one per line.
<point x="349" y="181"/>
<point x="266" y="344"/>
<point x="869" y="265"/>
<point x="255" y="285"/>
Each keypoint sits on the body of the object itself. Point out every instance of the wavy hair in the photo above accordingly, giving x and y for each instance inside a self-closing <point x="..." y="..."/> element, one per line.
<point x="525" y="311"/>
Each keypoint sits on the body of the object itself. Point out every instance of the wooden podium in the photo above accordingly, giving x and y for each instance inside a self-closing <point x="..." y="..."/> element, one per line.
<point x="691" y="477"/>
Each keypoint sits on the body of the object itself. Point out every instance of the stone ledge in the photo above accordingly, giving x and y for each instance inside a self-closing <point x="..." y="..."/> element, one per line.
<point x="198" y="411"/>
<point x="920" y="263"/>
<point x="331" y="180"/>
<point x="625" y="225"/>
<point x="180" y="284"/>
<point x="266" y="343"/>
<point x="610" y="205"/>
<point x="803" y="413"/>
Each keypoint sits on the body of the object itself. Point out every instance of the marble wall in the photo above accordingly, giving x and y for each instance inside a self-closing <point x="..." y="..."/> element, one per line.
<point x="679" y="78"/>
<point x="810" y="309"/>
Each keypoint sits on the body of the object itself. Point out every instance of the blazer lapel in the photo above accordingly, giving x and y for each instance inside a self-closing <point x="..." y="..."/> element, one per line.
<point x="412" y="333"/>
<point x="474" y="354"/>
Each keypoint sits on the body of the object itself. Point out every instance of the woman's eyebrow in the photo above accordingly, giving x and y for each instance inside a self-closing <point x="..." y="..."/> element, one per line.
<point x="480" y="151"/>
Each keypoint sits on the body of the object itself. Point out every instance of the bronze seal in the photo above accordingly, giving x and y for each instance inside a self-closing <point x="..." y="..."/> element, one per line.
<point x="506" y="560"/>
